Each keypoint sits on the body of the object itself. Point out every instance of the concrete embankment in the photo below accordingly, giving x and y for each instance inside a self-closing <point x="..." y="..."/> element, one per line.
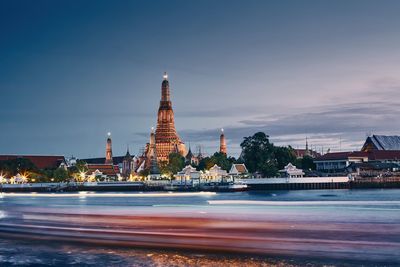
<point x="297" y="183"/>
<point x="390" y="182"/>
<point x="310" y="183"/>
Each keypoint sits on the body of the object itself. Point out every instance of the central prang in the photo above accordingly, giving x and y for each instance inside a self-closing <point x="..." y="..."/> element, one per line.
<point x="166" y="138"/>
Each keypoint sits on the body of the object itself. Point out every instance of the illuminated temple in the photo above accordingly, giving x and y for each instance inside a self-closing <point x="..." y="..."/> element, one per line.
<point x="167" y="139"/>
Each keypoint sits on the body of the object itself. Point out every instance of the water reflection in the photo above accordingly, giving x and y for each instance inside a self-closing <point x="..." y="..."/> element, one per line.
<point x="366" y="230"/>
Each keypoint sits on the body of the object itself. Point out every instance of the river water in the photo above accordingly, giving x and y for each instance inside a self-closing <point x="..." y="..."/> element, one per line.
<point x="276" y="228"/>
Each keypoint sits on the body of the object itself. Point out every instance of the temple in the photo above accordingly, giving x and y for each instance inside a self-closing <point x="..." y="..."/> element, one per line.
<point x="166" y="138"/>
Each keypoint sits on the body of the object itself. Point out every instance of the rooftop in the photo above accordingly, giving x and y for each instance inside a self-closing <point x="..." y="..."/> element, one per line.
<point x="40" y="161"/>
<point x="371" y="155"/>
<point x="382" y="142"/>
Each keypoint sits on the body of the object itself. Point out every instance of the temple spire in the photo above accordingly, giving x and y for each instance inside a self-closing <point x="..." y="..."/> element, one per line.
<point x="165" y="94"/>
<point x="222" y="142"/>
<point x="109" y="157"/>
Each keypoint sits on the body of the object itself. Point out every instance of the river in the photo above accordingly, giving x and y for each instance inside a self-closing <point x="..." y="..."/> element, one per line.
<point x="275" y="228"/>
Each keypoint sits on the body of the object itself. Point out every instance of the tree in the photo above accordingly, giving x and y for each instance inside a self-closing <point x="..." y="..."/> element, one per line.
<point x="80" y="166"/>
<point x="268" y="168"/>
<point x="205" y="164"/>
<point x="222" y="160"/>
<point x="60" y="175"/>
<point x="258" y="154"/>
<point x="306" y="163"/>
<point x="144" y="172"/>
<point x="284" y="156"/>
<point x="164" y="168"/>
<point x="176" y="163"/>
<point x="18" y="165"/>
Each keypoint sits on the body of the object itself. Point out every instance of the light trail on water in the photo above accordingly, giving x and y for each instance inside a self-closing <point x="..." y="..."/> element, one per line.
<point x="365" y="231"/>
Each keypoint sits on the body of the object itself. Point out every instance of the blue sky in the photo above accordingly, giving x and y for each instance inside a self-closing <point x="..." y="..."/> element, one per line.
<point x="71" y="71"/>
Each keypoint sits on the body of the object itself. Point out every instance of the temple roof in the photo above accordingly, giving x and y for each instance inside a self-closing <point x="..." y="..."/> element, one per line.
<point x="106" y="169"/>
<point x="241" y="168"/>
<point x="189" y="155"/>
<point x="127" y="155"/>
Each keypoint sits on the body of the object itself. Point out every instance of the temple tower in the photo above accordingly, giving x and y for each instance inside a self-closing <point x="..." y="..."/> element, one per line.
<point x="306" y="152"/>
<point x="166" y="137"/>
<point x="127" y="164"/>
<point x="152" y="156"/>
<point x="222" y="142"/>
<point x="109" y="157"/>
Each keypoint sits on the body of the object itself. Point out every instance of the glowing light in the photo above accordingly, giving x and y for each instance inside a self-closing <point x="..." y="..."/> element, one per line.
<point x="222" y="129"/>
<point x="165" y="76"/>
<point x="109" y="134"/>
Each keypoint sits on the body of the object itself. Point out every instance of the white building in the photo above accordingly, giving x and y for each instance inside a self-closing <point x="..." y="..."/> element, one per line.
<point x="215" y="175"/>
<point x="189" y="176"/>
<point x="339" y="161"/>
<point x="291" y="171"/>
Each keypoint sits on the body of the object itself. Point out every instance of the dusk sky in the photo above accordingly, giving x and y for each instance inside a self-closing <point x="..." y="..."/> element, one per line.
<point x="71" y="71"/>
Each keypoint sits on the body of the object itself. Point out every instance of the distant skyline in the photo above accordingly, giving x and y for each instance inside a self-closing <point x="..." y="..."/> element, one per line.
<point x="72" y="71"/>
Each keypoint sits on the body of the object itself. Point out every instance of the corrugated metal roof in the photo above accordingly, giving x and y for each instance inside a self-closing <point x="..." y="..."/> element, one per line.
<point x="385" y="142"/>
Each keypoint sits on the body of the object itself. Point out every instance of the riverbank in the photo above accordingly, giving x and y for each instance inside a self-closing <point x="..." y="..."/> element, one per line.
<point x="251" y="185"/>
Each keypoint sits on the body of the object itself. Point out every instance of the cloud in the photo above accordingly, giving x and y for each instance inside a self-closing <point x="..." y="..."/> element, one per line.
<point x="332" y="125"/>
